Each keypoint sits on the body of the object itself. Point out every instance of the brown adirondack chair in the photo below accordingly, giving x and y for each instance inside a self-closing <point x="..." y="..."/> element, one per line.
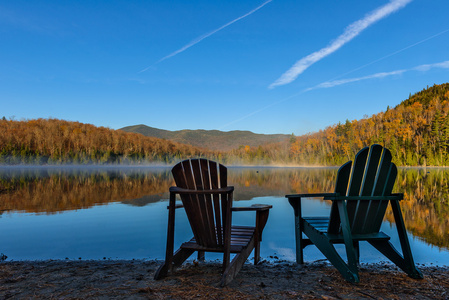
<point x="361" y="197"/>
<point x="207" y="200"/>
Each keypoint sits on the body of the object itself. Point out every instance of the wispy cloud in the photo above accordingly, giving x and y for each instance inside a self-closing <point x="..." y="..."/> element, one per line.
<point x="329" y="84"/>
<point x="349" y="33"/>
<point x="333" y="83"/>
<point x="443" y="65"/>
<point x="391" y="54"/>
<point x="423" y="68"/>
<point x="200" y="38"/>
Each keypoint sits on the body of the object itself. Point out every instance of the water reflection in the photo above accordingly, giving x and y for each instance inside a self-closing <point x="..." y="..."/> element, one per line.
<point x="52" y="190"/>
<point x="426" y="205"/>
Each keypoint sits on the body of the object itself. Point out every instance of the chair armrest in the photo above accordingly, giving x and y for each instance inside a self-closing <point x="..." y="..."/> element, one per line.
<point x="397" y="196"/>
<point x="295" y="201"/>
<point x="262" y="212"/>
<point x="177" y="190"/>
<point x="176" y="206"/>
<point x="311" y="195"/>
<point x="254" y="207"/>
<point x="401" y="195"/>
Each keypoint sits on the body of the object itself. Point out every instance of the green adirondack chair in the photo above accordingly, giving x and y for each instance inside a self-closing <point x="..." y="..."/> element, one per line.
<point x="362" y="192"/>
<point x="207" y="200"/>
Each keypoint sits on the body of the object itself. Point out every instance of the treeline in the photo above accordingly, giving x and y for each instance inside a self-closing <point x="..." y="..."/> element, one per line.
<point x="53" y="141"/>
<point x="416" y="131"/>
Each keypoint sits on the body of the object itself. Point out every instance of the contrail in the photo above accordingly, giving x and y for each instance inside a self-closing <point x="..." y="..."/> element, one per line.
<point x="333" y="83"/>
<point x="200" y="38"/>
<point x="349" y="33"/>
<point x="329" y="84"/>
<point x="423" y="68"/>
<point x="391" y="54"/>
<point x="356" y="69"/>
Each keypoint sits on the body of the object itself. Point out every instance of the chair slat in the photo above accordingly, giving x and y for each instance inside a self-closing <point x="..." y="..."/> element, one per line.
<point x="341" y="187"/>
<point x="388" y="188"/>
<point x="358" y="169"/>
<point x="190" y="202"/>
<point x="209" y="210"/>
<point x="379" y="187"/>
<point x="367" y="187"/>
<point x="184" y="179"/>
<point x="357" y="172"/>
<point x="223" y="176"/>
<point x="216" y="200"/>
<point x="188" y="174"/>
<point x="199" y="202"/>
<point x="223" y="179"/>
<point x="371" y="170"/>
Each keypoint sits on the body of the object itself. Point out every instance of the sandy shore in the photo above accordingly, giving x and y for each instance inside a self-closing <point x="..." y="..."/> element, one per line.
<point x="134" y="280"/>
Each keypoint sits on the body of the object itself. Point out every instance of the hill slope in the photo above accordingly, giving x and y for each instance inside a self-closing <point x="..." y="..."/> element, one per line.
<point x="210" y="139"/>
<point x="53" y="141"/>
<point x="416" y="131"/>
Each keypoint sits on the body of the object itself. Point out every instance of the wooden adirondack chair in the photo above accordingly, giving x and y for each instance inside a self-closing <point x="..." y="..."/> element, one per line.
<point x="361" y="197"/>
<point x="207" y="200"/>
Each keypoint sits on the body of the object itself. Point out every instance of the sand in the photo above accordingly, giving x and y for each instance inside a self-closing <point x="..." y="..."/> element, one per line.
<point x="110" y="279"/>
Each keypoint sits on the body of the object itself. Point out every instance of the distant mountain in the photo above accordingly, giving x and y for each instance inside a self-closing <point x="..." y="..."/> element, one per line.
<point x="210" y="139"/>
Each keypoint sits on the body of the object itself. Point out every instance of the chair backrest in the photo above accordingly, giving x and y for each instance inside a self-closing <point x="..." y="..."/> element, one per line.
<point x="206" y="212"/>
<point x="371" y="174"/>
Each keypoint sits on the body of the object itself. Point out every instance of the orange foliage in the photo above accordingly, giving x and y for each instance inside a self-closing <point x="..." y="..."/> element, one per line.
<point x="416" y="131"/>
<point x="58" y="141"/>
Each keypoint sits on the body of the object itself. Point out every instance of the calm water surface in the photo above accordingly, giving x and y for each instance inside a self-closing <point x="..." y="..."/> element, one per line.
<point x="121" y="212"/>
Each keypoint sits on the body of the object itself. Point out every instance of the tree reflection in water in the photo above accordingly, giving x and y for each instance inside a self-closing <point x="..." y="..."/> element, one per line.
<point x="50" y="190"/>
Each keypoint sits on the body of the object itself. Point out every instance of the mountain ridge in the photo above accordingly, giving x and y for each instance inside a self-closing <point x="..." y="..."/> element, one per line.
<point x="209" y="139"/>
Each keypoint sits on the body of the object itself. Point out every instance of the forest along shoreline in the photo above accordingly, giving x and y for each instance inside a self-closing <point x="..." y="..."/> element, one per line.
<point x="267" y="280"/>
<point x="416" y="132"/>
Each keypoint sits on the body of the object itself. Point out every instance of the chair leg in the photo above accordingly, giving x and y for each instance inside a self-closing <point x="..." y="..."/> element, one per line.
<point x="299" y="241"/>
<point x="348" y="271"/>
<point x="331" y="254"/>
<point x="296" y="204"/>
<point x="181" y="256"/>
<point x="351" y="246"/>
<point x="387" y="249"/>
<point x="177" y="259"/>
<point x="406" y="260"/>
<point x="261" y="221"/>
<point x="236" y="264"/>
<point x="163" y="270"/>
<point x="357" y="251"/>
<point x="201" y="256"/>
<point x="256" y="252"/>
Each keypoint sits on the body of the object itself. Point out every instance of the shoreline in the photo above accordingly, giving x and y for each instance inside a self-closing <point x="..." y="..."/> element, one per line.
<point x="169" y="166"/>
<point x="133" y="279"/>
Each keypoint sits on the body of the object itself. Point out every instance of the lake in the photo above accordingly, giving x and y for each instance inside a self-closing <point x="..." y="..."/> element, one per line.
<point x="103" y="212"/>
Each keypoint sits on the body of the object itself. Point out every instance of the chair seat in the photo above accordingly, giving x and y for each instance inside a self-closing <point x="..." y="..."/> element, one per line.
<point x="240" y="239"/>
<point x="321" y="224"/>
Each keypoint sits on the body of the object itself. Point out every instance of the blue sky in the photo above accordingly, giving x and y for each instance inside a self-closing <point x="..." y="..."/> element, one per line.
<point x="279" y="66"/>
